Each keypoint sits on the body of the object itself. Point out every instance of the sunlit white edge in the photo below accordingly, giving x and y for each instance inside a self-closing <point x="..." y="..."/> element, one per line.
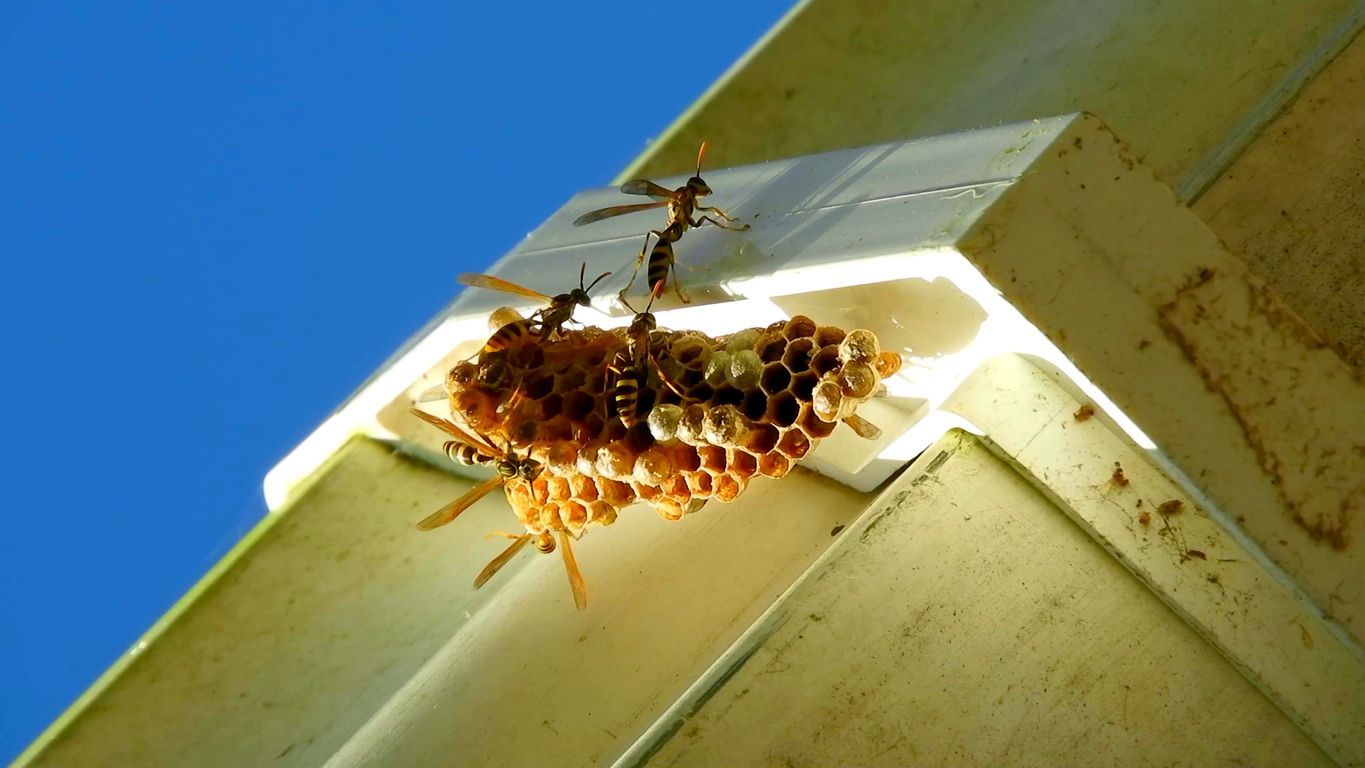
<point x="1005" y="330"/>
<point x="358" y="415"/>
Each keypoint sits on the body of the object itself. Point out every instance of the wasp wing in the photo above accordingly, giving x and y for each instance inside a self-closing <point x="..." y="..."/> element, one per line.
<point x="498" y="284"/>
<point x="496" y="564"/>
<point x="615" y="210"/>
<point x="432" y="394"/>
<point x="448" y="427"/>
<point x="452" y="510"/>
<point x="576" y="581"/>
<point x="646" y="187"/>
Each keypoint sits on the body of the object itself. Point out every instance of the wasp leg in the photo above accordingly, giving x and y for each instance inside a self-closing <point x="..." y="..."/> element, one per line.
<point x="698" y="222"/>
<point x="638" y="261"/>
<point x="718" y="212"/>
<point x="677" y="284"/>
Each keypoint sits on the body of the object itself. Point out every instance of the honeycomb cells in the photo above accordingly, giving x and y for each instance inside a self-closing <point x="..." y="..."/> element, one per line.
<point x="715" y="413"/>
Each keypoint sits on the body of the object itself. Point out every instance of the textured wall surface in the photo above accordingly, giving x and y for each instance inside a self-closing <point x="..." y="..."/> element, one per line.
<point x="1292" y="204"/>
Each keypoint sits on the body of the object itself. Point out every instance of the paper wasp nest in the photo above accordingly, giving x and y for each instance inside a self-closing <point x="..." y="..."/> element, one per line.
<point x="712" y="414"/>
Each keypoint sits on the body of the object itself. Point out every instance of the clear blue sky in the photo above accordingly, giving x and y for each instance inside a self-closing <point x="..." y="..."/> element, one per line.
<point x="215" y="222"/>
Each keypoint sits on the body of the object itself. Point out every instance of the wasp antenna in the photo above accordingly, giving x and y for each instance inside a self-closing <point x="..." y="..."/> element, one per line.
<point x="700" y="152"/>
<point x="599" y="279"/>
<point x="582" y="270"/>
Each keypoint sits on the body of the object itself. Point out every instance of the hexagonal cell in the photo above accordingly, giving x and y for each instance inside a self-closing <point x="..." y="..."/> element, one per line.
<point x="701" y="392"/>
<point x="794" y="444"/>
<point x="700" y="483"/>
<point x="770" y="348"/>
<point x="648" y="493"/>
<point x="783" y="409"/>
<point x="475" y="408"/>
<point x="577" y="405"/>
<point x="727" y="396"/>
<point x="762" y="438"/>
<point x="615" y="493"/>
<point x="520" y="495"/>
<point x="461" y="376"/>
<point x="675" y="485"/>
<point x="744" y="370"/>
<point x="583" y="488"/>
<point x="774" y="464"/>
<point x="556" y="428"/>
<point x="858" y="380"/>
<point x="540" y="491"/>
<point x="689" y="379"/>
<point x="827" y="400"/>
<point x="574" y="516"/>
<point x="826" y="335"/>
<point x="685" y="458"/>
<point x="724" y="425"/>
<point x="740" y="340"/>
<point x="669" y="509"/>
<point x="616" y="460"/>
<point x="595" y="382"/>
<point x="549" y="515"/>
<point x="537" y="384"/>
<point x="754" y="406"/>
<point x="588" y="428"/>
<point x="523" y="425"/>
<point x="602" y="513"/>
<point x="727" y="487"/>
<point x="742" y="464"/>
<point x="494" y="372"/>
<point x="799" y="327"/>
<point x="558" y="487"/>
<point x="860" y="345"/>
<point x="551" y="405"/>
<point x="689" y="349"/>
<point x="690" y="425"/>
<point x="653" y="466"/>
<point x="826" y="359"/>
<point x="527" y="356"/>
<point x="572" y="378"/>
<point x="797" y="355"/>
<point x="663" y="421"/>
<point x="815" y="427"/>
<point x="775" y="378"/>
<point x="712" y="458"/>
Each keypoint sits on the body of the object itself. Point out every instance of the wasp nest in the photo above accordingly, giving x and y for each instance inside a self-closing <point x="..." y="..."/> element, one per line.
<point x="713" y="414"/>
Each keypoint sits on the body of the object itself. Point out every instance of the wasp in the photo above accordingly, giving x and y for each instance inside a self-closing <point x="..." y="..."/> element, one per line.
<point x="510" y="336"/>
<point x="471" y="450"/>
<point x="629" y="367"/>
<point x="682" y="204"/>
<point x="547" y="322"/>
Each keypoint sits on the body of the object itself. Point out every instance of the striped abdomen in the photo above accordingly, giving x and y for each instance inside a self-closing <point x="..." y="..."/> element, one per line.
<point x="513" y="334"/>
<point x="625" y="389"/>
<point x="660" y="262"/>
<point x="463" y="453"/>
